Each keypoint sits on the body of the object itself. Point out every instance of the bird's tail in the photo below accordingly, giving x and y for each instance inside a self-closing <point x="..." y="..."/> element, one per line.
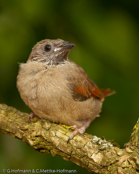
<point x="107" y="92"/>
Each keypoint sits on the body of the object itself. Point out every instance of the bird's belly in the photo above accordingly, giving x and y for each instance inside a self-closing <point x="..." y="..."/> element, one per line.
<point x="50" y="98"/>
<point x="54" y="104"/>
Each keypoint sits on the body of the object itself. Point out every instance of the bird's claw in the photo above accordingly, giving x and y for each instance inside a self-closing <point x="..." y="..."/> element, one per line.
<point x="76" y="130"/>
<point x="31" y="115"/>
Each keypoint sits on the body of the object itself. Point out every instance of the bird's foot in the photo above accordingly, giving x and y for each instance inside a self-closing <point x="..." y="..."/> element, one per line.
<point x="31" y="115"/>
<point x="78" y="130"/>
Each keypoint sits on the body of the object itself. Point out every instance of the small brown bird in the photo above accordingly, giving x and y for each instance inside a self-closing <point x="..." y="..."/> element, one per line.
<point x="57" y="89"/>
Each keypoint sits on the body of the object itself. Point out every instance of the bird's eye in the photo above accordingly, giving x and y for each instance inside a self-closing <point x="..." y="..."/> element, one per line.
<point x="47" y="48"/>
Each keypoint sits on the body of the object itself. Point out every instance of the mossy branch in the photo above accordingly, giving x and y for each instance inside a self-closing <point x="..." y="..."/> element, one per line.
<point x="95" y="154"/>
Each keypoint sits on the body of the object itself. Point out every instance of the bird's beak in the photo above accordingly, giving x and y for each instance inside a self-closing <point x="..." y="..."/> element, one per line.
<point x="63" y="51"/>
<point x="67" y="45"/>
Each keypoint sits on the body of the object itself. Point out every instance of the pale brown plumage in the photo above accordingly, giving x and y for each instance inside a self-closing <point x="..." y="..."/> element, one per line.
<point x="57" y="89"/>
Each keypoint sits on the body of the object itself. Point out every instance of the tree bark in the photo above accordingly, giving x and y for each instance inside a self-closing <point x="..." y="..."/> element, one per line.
<point x="95" y="154"/>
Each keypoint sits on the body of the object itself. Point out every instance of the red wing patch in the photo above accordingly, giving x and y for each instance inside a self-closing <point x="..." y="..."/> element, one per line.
<point x="86" y="90"/>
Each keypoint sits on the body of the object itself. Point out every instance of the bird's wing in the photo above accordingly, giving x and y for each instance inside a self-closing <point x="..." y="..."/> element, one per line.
<point x="84" y="88"/>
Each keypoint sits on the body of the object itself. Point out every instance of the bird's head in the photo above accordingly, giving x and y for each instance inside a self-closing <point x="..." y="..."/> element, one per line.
<point x="51" y="51"/>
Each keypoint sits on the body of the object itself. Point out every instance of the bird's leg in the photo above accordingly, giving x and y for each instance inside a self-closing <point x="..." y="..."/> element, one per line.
<point x="79" y="130"/>
<point x="31" y="115"/>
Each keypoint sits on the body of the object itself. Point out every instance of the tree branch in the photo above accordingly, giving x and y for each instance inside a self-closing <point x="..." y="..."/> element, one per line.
<point x="95" y="154"/>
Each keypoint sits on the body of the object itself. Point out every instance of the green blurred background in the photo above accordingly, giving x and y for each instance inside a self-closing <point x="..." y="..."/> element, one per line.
<point x="106" y="37"/>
